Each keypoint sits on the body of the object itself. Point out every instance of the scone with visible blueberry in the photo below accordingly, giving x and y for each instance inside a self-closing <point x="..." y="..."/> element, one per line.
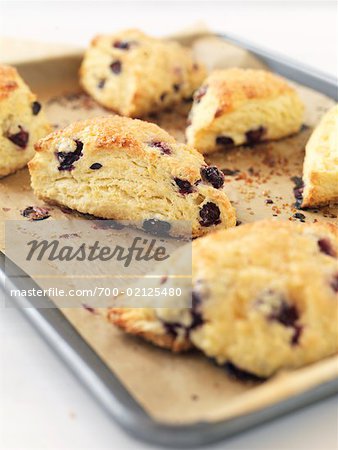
<point x="127" y="169"/>
<point x="320" y="172"/>
<point x="242" y="106"/>
<point x="134" y="74"/>
<point x="264" y="298"/>
<point x="22" y="122"/>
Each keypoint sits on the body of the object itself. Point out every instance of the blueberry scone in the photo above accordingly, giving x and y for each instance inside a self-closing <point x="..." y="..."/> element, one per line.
<point x="134" y="74"/>
<point x="127" y="169"/>
<point x="22" y="122"/>
<point x="264" y="298"/>
<point x="320" y="172"/>
<point x="242" y="106"/>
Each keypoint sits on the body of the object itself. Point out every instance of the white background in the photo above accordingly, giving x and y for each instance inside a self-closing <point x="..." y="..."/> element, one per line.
<point x="42" y="406"/>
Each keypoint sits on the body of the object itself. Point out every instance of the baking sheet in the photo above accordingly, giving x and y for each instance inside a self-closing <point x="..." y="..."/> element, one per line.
<point x="186" y="388"/>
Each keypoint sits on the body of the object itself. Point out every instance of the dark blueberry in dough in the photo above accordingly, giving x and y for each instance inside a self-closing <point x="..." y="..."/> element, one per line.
<point x="240" y="374"/>
<point x="255" y="136"/>
<point x="210" y="215"/>
<point x="35" y="213"/>
<point x="95" y="166"/>
<point x="163" y="96"/>
<point x="172" y="327"/>
<point x="213" y="176"/>
<point x="20" y="139"/>
<point x="200" y="93"/>
<point x="101" y="83"/>
<point x="116" y="67"/>
<point x="299" y="216"/>
<point x="268" y="201"/>
<point x="165" y="149"/>
<point x="298" y="191"/>
<point x="36" y="107"/>
<point x="288" y="315"/>
<point x="185" y="186"/>
<point x="224" y="141"/>
<point x="334" y="283"/>
<point x="196" y="314"/>
<point x="176" y="87"/>
<point x="188" y="99"/>
<point x="122" y="45"/>
<point x="326" y="247"/>
<point x="230" y="172"/>
<point x="67" y="160"/>
<point x="156" y="227"/>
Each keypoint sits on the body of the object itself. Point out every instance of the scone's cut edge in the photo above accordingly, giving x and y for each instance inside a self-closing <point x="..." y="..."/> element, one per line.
<point x="320" y="169"/>
<point x="99" y="160"/>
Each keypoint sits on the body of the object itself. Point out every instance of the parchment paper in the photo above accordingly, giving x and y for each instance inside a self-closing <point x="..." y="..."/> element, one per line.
<point x="185" y="388"/>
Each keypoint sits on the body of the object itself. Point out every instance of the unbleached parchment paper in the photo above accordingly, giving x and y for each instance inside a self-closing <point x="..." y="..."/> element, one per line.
<point x="184" y="388"/>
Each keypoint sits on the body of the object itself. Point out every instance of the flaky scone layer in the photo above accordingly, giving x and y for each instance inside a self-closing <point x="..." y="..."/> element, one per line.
<point x="320" y="171"/>
<point x="119" y="168"/>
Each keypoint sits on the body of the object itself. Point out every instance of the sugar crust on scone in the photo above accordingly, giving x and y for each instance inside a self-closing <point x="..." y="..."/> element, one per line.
<point x="135" y="74"/>
<point x="242" y="106"/>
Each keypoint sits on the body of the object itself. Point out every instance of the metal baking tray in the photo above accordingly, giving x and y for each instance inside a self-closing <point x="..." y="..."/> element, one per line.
<point x="100" y="380"/>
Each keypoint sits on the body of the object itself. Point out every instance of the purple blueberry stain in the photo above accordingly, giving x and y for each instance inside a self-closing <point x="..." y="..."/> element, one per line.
<point x="20" y="139"/>
<point x="124" y="45"/>
<point x="287" y="315"/>
<point x="162" y="146"/>
<point x="334" y="283"/>
<point x="67" y="159"/>
<point x="176" y="87"/>
<point x="116" y="67"/>
<point x="212" y="175"/>
<point x="35" y="213"/>
<point x="326" y="247"/>
<point x="196" y="314"/>
<point x="36" y="107"/>
<point x="224" y="141"/>
<point x="298" y="190"/>
<point x="101" y="83"/>
<point x="184" y="186"/>
<point x="255" y="136"/>
<point x="200" y="93"/>
<point x="275" y="307"/>
<point x="230" y="172"/>
<point x="300" y="217"/>
<point x="240" y="374"/>
<point x="210" y="214"/>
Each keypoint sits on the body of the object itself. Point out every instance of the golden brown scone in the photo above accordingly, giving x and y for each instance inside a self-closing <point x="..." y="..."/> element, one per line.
<point x="264" y="298"/>
<point x="320" y="172"/>
<point x="126" y="169"/>
<point x="134" y="74"/>
<point x="242" y="106"/>
<point x="22" y="122"/>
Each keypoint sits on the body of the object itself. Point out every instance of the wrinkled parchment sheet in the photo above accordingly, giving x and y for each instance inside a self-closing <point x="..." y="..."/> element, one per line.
<point x="185" y="388"/>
